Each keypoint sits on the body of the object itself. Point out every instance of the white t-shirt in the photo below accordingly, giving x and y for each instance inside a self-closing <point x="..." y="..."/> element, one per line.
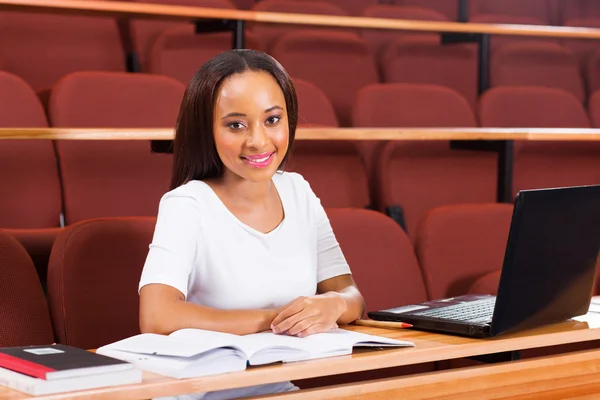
<point x="214" y="259"/>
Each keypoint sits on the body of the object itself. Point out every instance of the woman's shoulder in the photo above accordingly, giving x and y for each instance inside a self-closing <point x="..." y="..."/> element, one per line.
<point x="193" y="193"/>
<point x="291" y="181"/>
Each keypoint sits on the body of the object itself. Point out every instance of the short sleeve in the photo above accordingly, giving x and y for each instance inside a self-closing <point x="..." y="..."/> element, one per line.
<point x="174" y="245"/>
<point x="330" y="258"/>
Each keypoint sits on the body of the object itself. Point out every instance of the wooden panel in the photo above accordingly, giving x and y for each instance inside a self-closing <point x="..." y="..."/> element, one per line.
<point x="320" y="134"/>
<point x="141" y="10"/>
<point x="429" y="347"/>
<point x="557" y="377"/>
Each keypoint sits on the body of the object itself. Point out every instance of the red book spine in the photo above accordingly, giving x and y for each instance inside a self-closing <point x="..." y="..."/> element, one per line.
<point x="24" y="367"/>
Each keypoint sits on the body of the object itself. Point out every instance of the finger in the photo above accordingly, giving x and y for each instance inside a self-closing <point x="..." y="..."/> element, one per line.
<point x="293" y="308"/>
<point x="302" y="325"/>
<point x="313" y="329"/>
<point x="290" y="322"/>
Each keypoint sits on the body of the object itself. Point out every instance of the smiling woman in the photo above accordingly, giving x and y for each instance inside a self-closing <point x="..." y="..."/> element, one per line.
<point x="240" y="246"/>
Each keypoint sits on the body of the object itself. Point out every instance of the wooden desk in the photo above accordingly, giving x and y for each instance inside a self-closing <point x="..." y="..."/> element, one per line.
<point x="565" y="376"/>
<point x="469" y="134"/>
<point x="429" y="347"/>
<point x="185" y="13"/>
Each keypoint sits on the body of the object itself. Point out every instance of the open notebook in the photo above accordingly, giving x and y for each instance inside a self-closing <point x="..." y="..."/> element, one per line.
<point x="191" y="353"/>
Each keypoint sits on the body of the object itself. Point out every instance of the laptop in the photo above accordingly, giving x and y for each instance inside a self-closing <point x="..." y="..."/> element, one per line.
<point x="548" y="274"/>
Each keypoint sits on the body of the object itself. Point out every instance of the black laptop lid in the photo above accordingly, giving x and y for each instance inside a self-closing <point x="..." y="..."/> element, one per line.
<point x="551" y="257"/>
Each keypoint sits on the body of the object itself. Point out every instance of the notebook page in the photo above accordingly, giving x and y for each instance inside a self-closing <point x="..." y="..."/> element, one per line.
<point x="267" y="347"/>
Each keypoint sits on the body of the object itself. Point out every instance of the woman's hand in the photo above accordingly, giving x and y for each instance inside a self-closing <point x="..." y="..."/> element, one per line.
<point x="309" y="315"/>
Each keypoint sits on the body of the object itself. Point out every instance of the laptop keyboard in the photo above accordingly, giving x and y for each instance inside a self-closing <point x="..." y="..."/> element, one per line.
<point x="479" y="311"/>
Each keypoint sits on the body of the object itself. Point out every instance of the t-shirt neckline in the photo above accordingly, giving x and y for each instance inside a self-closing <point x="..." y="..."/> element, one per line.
<point x="248" y="227"/>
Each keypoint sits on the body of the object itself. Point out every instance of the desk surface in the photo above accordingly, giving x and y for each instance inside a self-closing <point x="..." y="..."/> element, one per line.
<point x="321" y="134"/>
<point x="170" y="12"/>
<point x="564" y="376"/>
<point x="429" y="347"/>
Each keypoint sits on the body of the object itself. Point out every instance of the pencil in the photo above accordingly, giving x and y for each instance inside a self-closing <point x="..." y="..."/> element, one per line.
<point x="382" y="324"/>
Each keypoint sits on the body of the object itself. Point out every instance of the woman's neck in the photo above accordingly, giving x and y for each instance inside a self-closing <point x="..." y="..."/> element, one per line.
<point x="243" y="192"/>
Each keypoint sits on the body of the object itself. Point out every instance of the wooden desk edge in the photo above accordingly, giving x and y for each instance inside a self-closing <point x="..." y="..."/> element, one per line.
<point x="500" y="375"/>
<point x="320" y="134"/>
<point x="160" y="11"/>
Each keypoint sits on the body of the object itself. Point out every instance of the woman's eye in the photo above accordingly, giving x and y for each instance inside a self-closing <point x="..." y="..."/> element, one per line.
<point x="235" y="125"/>
<point x="273" y="120"/>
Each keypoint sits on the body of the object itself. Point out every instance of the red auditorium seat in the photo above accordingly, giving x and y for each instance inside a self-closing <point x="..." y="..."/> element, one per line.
<point x="458" y="244"/>
<point x="24" y="311"/>
<point x="112" y="178"/>
<point x="447" y="7"/>
<point x="337" y="62"/>
<point x="536" y="9"/>
<point x="268" y="33"/>
<point x="93" y="278"/>
<point x="423" y="60"/>
<point x="31" y="206"/>
<point x="352" y="7"/>
<point x="379" y="39"/>
<point x="571" y="9"/>
<point x="41" y="48"/>
<point x="179" y="52"/>
<point x="536" y="63"/>
<point x="420" y="175"/>
<point x="144" y="32"/>
<point x="334" y="168"/>
<point x="592" y="71"/>
<point x="582" y="48"/>
<point x="385" y="270"/>
<point x="543" y="164"/>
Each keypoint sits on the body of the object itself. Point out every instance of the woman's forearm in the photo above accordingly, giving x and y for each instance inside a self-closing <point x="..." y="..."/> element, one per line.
<point x="353" y="304"/>
<point x="164" y="314"/>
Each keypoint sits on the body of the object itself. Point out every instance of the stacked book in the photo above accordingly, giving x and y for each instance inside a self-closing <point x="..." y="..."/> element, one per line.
<point x="39" y="370"/>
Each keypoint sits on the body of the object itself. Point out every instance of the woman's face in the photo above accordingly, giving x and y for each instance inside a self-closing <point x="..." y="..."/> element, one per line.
<point x="251" y="126"/>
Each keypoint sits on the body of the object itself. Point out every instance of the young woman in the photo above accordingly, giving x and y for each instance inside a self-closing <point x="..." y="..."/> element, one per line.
<point x="239" y="246"/>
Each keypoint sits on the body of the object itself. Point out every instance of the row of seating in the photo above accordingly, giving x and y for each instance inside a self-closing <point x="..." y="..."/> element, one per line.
<point x="78" y="180"/>
<point x="549" y="12"/>
<point x="98" y="257"/>
<point x="41" y="48"/>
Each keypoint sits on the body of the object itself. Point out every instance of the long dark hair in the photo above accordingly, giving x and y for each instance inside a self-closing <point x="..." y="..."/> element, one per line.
<point x="195" y="156"/>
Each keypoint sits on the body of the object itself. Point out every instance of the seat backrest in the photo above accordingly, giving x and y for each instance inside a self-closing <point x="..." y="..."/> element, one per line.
<point x="28" y="168"/>
<point x="411" y="105"/>
<point x="537" y="63"/>
<point x="333" y="168"/>
<point x="179" y="52"/>
<point x="447" y="7"/>
<point x="337" y="62"/>
<point x="378" y="39"/>
<point x="425" y="60"/>
<point x="570" y="9"/>
<point x="538" y="9"/>
<point x="24" y="312"/>
<point x="458" y="244"/>
<point x="314" y="107"/>
<point x="93" y="277"/>
<point x="409" y="174"/>
<point x="41" y="48"/>
<point x="110" y="178"/>
<point x="594" y="109"/>
<point x="268" y="33"/>
<point x="145" y="31"/>
<point x="380" y="256"/>
<point x="529" y="106"/>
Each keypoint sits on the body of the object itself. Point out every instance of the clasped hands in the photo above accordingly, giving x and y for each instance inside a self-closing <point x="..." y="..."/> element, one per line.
<point x="309" y="315"/>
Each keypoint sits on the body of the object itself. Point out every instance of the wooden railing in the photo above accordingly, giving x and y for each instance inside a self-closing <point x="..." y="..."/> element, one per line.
<point x="468" y="134"/>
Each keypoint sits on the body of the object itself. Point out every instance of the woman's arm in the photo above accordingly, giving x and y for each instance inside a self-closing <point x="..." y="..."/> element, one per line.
<point x="163" y="310"/>
<point x="344" y="288"/>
